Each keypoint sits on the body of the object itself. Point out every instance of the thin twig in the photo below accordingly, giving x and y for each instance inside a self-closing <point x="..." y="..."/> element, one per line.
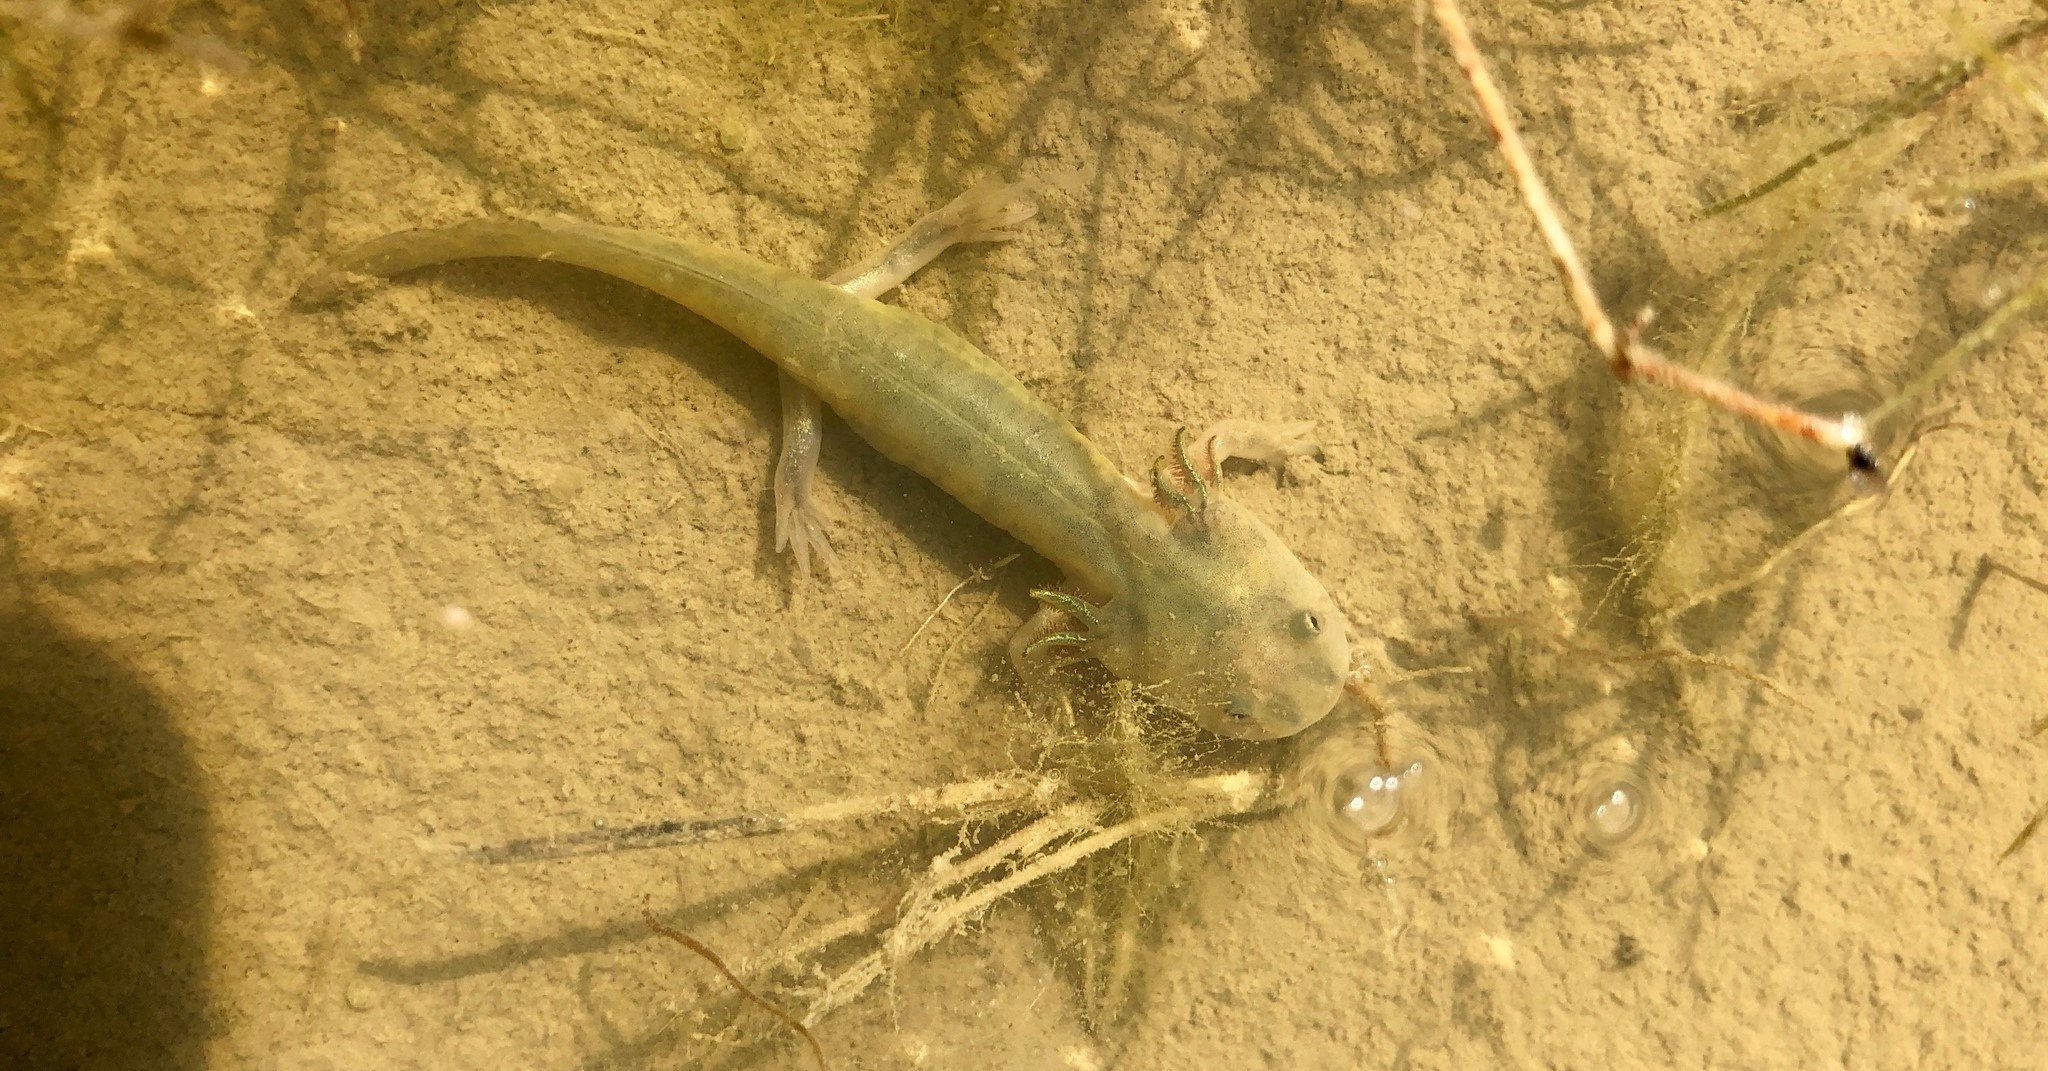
<point x="1909" y="101"/>
<point x="1988" y="331"/>
<point x="2021" y="175"/>
<point x="1847" y="508"/>
<point x="1987" y="568"/>
<point x="1360" y="686"/>
<point x="980" y="572"/>
<point x="763" y="1003"/>
<point x="1433" y="672"/>
<point x="2026" y="834"/>
<point x="1993" y="58"/>
<point x="1655" y="654"/>
<point x="1626" y="355"/>
<point x="872" y="16"/>
<point x="931" y="693"/>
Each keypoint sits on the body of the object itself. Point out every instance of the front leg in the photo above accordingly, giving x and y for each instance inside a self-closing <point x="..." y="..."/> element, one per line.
<point x="1260" y="442"/>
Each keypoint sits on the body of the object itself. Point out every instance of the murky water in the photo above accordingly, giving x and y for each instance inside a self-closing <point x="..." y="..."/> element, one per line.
<point x="304" y="603"/>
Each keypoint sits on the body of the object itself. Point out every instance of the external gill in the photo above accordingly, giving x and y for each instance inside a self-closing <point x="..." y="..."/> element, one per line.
<point x="1073" y="606"/>
<point x="1177" y="485"/>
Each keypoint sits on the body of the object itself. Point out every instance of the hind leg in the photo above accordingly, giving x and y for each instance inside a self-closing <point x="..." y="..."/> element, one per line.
<point x="982" y="214"/>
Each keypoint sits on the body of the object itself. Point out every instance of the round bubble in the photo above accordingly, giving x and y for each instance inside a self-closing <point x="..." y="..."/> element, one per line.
<point x="1614" y="811"/>
<point x="1373" y="801"/>
<point x="1357" y="788"/>
<point x="1368" y="798"/>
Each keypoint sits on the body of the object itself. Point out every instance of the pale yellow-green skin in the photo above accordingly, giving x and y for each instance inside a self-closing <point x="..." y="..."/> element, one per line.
<point x="1209" y="610"/>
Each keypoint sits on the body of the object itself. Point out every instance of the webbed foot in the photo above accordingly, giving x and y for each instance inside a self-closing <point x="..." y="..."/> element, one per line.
<point x="986" y="212"/>
<point x="799" y="524"/>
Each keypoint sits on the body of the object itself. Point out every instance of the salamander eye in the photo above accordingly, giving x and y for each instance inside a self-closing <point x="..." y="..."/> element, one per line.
<point x="1307" y="625"/>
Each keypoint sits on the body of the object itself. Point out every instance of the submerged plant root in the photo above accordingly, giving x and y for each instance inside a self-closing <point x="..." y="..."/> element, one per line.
<point x="1907" y="103"/>
<point x="964" y="801"/>
<point x="1105" y="799"/>
<point x="946" y="897"/>
<point x="701" y="949"/>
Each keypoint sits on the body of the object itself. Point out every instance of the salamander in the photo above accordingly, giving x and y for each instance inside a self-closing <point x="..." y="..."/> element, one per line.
<point x="1168" y="583"/>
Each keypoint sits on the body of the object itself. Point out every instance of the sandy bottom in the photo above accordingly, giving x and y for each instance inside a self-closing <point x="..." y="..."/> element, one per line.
<point x="295" y="600"/>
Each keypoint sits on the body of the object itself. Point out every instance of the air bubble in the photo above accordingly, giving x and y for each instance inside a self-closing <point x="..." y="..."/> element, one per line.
<point x="1360" y="790"/>
<point x="1369" y="799"/>
<point x="1614" y="812"/>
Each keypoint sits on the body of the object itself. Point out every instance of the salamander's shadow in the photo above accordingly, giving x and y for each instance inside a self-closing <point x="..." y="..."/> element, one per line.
<point x="103" y="856"/>
<point x="623" y="316"/>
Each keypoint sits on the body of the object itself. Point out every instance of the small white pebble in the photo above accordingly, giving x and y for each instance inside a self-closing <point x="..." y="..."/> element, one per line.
<point x="88" y="248"/>
<point x="1077" y="1058"/>
<point x="455" y="618"/>
<point x="360" y="996"/>
<point x="234" y="310"/>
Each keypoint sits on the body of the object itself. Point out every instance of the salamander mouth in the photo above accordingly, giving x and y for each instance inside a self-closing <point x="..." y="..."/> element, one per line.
<point x="1247" y="716"/>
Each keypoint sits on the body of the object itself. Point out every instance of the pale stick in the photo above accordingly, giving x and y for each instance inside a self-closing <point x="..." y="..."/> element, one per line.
<point x="1625" y="353"/>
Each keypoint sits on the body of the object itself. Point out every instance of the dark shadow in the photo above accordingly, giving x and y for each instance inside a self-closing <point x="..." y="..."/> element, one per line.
<point x="660" y="1047"/>
<point x="622" y="316"/>
<point x="630" y="928"/>
<point x="103" y="857"/>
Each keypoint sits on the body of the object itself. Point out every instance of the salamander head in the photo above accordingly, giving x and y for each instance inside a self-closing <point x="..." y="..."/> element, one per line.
<point x="1234" y="631"/>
